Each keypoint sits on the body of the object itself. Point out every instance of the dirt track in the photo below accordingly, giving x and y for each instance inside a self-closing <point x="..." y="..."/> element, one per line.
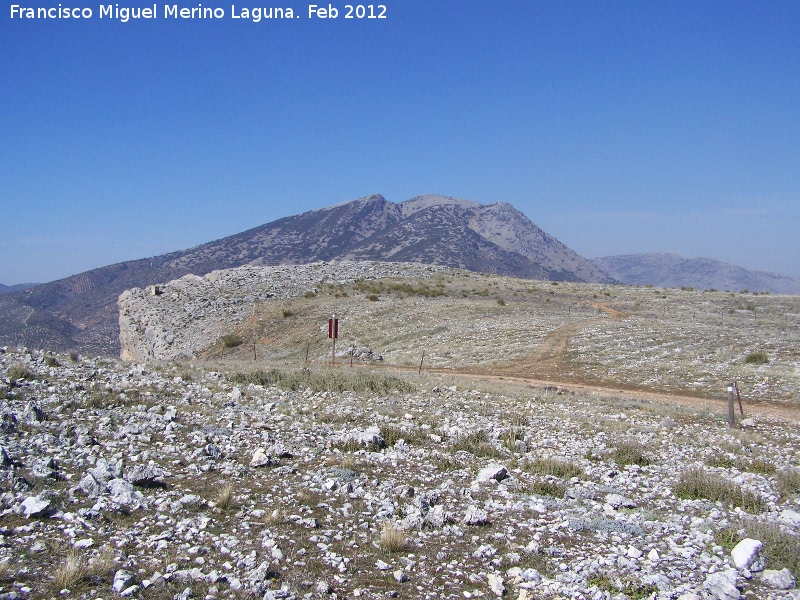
<point x="549" y="367"/>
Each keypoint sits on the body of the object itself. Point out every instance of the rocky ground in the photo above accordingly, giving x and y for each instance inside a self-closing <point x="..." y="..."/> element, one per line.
<point x="199" y="480"/>
<point x="663" y="340"/>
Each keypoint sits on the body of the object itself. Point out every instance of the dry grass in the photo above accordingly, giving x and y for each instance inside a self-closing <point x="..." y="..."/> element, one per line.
<point x="552" y="466"/>
<point x="72" y="572"/>
<point x="225" y="499"/>
<point x="20" y="371"/>
<point x="630" y="453"/>
<point x="696" y="484"/>
<point x="393" y="539"/>
<point x="478" y="443"/>
<point x="788" y="482"/>
<point x="5" y="569"/>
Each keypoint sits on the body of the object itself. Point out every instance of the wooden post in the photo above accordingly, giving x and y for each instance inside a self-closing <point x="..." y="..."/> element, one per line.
<point x="308" y="346"/>
<point x="254" y="349"/>
<point x="420" y="362"/>
<point x="352" y="351"/>
<point x="739" y="398"/>
<point x="731" y="411"/>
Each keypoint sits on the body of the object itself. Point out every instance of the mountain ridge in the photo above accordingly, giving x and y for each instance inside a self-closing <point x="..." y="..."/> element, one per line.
<point x="668" y="269"/>
<point x="80" y="312"/>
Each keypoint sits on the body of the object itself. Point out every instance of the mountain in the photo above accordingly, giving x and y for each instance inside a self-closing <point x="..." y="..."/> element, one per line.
<point x="5" y="289"/>
<point x="80" y="312"/>
<point x="666" y="269"/>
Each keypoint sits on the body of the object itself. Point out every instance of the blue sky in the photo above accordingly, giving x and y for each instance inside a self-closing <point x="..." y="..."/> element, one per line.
<point x="618" y="127"/>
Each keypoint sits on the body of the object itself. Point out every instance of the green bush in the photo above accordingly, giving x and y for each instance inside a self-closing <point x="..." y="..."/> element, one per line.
<point x="697" y="484"/>
<point x="630" y="453"/>
<point x="20" y="371"/>
<point x="552" y="466"/>
<point x="478" y="443"/>
<point x="331" y="381"/>
<point x="788" y="482"/>
<point x="231" y="340"/>
<point x="756" y="358"/>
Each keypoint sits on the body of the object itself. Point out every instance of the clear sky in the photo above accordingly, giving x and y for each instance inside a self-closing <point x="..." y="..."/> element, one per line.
<point x="617" y="126"/>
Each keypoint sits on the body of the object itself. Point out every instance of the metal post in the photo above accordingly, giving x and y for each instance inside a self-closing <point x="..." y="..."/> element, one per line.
<point x="308" y="346"/>
<point x="420" y="362"/>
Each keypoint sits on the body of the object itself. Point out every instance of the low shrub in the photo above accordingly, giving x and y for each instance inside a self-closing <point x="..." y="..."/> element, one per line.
<point x="696" y="484"/>
<point x="231" y="340"/>
<point x="552" y="466"/>
<point x="19" y="371"/>
<point x="630" y="453"/>
<point x="330" y="381"/>
<point x="756" y="358"/>
<point x="478" y="443"/>
<point x="788" y="482"/>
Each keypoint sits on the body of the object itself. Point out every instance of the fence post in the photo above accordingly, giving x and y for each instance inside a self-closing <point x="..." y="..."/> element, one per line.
<point x="731" y="409"/>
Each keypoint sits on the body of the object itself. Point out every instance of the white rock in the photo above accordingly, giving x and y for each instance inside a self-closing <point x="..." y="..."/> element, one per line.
<point x="84" y="543"/>
<point x="747" y="554"/>
<point x="382" y="566"/>
<point x="260" y="458"/>
<point x="653" y="555"/>
<point x="780" y="580"/>
<point x="33" y="506"/>
<point x="475" y="516"/>
<point x="122" y="580"/>
<point x="790" y="517"/>
<point x="496" y="585"/>
<point x="400" y="576"/>
<point x="493" y="471"/>
<point x="722" y="585"/>
<point x="634" y="552"/>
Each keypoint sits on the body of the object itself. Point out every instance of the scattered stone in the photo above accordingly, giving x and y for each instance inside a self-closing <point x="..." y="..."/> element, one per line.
<point x="780" y="580"/>
<point x="34" y="506"/>
<point x="492" y="472"/>
<point x="748" y="554"/>
<point x="722" y="585"/>
<point x="122" y="580"/>
<point x="475" y="516"/>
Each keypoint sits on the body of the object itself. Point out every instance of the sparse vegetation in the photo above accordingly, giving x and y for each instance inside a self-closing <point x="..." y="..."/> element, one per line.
<point x="225" y="498"/>
<point x="788" y="482"/>
<point x="478" y="443"/>
<point x="552" y="466"/>
<point x="231" y="340"/>
<point x="393" y="539"/>
<point x="548" y="488"/>
<point x="325" y="381"/>
<point x="630" y="453"/>
<point x="757" y="358"/>
<point x="19" y="371"/>
<point x="70" y="573"/>
<point x="697" y="484"/>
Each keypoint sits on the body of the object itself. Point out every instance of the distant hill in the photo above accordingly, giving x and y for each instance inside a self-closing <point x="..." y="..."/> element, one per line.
<point x="5" y="289"/>
<point x="81" y="311"/>
<point x="666" y="269"/>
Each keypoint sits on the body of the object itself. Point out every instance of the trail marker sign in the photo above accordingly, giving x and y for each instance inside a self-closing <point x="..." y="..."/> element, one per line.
<point x="333" y="327"/>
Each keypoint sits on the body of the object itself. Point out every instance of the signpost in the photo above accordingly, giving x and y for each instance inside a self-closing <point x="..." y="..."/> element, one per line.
<point x="333" y="333"/>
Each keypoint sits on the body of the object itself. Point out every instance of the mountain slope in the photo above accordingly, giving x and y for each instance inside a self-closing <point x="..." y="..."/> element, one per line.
<point x="6" y="289"/>
<point x="81" y="311"/>
<point x="666" y="269"/>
